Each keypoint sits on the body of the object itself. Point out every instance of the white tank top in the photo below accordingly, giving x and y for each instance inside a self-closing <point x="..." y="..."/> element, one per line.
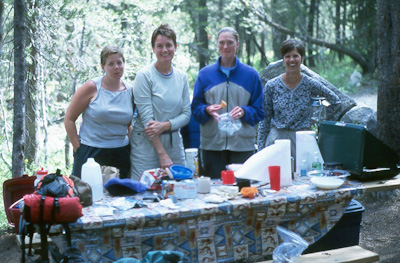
<point x="106" y="118"/>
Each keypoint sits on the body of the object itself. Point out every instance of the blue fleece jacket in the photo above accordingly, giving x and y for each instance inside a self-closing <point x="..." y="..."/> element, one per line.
<point x="242" y="88"/>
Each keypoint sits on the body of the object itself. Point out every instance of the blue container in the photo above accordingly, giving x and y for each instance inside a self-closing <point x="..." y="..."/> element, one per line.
<point x="345" y="233"/>
<point x="181" y="172"/>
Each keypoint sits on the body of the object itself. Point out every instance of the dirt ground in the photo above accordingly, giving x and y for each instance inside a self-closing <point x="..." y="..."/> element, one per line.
<point x="380" y="231"/>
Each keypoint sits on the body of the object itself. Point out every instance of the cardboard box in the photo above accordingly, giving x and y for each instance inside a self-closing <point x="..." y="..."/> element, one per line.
<point x="184" y="189"/>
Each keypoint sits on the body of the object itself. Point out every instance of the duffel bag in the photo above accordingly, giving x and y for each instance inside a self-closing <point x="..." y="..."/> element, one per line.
<point x="49" y="210"/>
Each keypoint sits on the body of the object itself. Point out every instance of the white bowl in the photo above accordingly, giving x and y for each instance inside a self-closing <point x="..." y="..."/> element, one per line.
<point x="327" y="182"/>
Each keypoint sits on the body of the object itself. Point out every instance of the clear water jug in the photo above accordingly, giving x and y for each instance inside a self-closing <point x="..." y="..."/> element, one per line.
<point x="91" y="173"/>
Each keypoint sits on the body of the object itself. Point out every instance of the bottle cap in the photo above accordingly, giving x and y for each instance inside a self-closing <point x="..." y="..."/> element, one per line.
<point x="41" y="172"/>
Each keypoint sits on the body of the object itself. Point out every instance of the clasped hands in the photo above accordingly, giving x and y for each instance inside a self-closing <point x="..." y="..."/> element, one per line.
<point x="235" y="113"/>
<point x="155" y="128"/>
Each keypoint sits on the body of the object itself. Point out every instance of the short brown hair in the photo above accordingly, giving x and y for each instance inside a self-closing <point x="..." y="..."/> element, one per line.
<point x="110" y="50"/>
<point x="292" y="44"/>
<point x="163" y="30"/>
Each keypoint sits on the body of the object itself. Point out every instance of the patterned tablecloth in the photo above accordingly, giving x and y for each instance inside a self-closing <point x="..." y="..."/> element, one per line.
<point x="238" y="229"/>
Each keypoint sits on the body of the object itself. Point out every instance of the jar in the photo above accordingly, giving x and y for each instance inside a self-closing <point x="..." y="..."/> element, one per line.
<point x="39" y="175"/>
<point x="203" y="185"/>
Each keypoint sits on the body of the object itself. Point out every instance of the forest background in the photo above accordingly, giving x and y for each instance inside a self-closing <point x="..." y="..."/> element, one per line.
<point x="49" y="48"/>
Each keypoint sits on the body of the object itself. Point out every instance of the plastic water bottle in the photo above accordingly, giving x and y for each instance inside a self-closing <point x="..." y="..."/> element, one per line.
<point x="91" y="173"/>
<point x="316" y="165"/>
<point x="303" y="168"/>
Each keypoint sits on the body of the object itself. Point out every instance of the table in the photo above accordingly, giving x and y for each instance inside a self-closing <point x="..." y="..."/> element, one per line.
<point x="382" y="185"/>
<point x="226" y="232"/>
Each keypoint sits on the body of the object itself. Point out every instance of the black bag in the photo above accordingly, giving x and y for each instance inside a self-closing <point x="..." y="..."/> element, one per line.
<point x="83" y="189"/>
<point x="56" y="185"/>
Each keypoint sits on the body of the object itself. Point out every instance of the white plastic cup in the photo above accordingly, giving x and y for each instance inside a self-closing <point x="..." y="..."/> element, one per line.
<point x="203" y="185"/>
<point x="91" y="174"/>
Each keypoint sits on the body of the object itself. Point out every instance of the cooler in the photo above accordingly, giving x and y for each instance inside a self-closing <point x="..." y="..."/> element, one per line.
<point x="345" y="233"/>
<point x="13" y="190"/>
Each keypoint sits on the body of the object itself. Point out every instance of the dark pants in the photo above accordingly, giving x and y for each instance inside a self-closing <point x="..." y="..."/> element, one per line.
<point x="213" y="162"/>
<point x="116" y="157"/>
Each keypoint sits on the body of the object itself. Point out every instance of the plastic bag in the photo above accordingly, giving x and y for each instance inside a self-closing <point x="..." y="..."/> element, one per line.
<point x="293" y="245"/>
<point x="228" y="124"/>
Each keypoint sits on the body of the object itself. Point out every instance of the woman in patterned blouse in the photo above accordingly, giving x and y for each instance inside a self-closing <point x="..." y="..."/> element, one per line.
<point x="287" y="99"/>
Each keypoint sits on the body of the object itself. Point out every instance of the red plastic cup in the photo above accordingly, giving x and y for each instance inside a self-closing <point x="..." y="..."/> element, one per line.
<point x="275" y="177"/>
<point x="228" y="177"/>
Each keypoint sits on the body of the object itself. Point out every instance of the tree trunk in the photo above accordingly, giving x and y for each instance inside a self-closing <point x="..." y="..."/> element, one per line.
<point x="44" y="117"/>
<point x="338" y="26"/>
<point x="72" y="92"/>
<point x="203" y="37"/>
<point x="33" y="90"/>
<point x="18" y="155"/>
<point x="248" y="49"/>
<point x="1" y="28"/>
<point x="310" y="31"/>
<point x="344" y="22"/>
<point x="199" y="14"/>
<point x="277" y="36"/>
<point x="261" y="48"/>
<point x="388" y="114"/>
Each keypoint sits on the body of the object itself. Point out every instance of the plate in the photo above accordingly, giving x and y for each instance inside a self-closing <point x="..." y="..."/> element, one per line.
<point x="327" y="182"/>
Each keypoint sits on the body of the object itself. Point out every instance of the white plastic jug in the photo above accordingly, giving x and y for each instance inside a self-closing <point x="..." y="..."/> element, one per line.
<point x="91" y="173"/>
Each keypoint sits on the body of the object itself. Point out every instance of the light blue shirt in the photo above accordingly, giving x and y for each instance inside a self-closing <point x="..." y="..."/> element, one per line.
<point x="105" y="120"/>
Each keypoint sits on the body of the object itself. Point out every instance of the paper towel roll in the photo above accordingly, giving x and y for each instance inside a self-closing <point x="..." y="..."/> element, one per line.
<point x="256" y="167"/>
<point x="286" y="168"/>
<point x="306" y="147"/>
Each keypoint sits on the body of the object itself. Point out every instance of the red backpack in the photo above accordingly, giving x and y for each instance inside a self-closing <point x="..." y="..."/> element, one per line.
<point x="54" y="201"/>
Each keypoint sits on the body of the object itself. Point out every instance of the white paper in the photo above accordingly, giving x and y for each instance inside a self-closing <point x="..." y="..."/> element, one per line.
<point x="256" y="167"/>
<point x="306" y="147"/>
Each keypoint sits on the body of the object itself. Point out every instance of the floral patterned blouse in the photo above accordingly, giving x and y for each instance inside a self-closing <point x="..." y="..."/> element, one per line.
<point x="289" y="109"/>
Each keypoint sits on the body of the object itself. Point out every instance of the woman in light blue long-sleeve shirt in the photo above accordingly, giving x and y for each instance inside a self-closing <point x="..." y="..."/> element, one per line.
<point x="161" y="94"/>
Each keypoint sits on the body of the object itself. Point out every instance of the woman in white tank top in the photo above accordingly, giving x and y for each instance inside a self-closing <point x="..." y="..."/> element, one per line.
<point x="106" y="105"/>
